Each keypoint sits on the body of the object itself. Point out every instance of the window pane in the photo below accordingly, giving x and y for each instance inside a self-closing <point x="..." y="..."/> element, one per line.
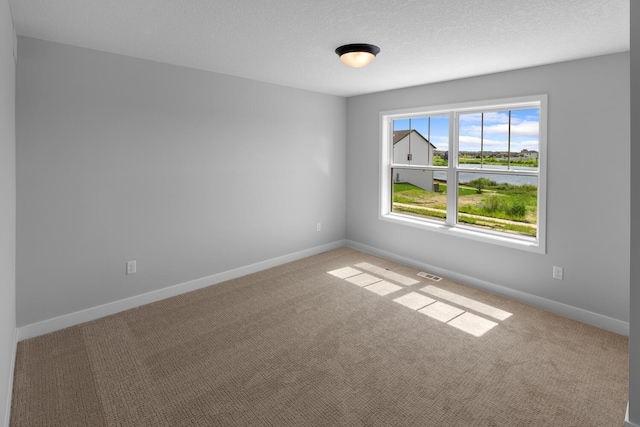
<point x="484" y="140"/>
<point x="525" y="143"/>
<point x="412" y="141"/>
<point x="419" y="193"/>
<point x="470" y="145"/>
<point x="499" y="140"/>
<point x="507" y="203"/>
<point x="439" y="137"/>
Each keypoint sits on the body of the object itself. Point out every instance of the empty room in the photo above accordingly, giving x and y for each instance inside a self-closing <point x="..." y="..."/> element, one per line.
<point x="298" y="213"/>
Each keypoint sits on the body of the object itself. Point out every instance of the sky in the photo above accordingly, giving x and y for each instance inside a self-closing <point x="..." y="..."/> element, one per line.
<point x="524" y="130"/>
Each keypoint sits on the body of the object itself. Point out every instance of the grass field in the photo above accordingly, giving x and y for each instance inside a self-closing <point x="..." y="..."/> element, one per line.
<point x="503" y="207"/>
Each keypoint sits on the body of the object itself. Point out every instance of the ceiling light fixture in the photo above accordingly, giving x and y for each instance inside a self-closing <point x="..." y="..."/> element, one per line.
<point x="357" y="55"/>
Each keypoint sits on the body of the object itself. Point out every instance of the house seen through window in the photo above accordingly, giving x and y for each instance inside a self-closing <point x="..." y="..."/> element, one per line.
<point x="471" y="167"/>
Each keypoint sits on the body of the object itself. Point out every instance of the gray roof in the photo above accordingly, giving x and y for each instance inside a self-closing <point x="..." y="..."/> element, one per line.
<point x="398" y="135"/>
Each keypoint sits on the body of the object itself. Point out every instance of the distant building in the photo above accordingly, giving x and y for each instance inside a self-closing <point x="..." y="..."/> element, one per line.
<point x="411" y="148"/>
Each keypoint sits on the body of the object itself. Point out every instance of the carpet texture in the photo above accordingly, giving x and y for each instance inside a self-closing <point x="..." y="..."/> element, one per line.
<point x="297" y="346"/>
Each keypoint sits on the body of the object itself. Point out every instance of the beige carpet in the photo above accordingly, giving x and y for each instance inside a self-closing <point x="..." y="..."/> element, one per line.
<point x="297" y="346"/>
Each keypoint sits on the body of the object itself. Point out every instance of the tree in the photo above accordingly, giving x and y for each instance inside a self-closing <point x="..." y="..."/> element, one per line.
<point x="481" y="183"/>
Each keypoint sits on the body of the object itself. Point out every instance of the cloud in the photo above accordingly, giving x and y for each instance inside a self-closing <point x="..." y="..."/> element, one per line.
<point x="489" y="118"/>
<point x="518" y="117"/>
<point x="497" y="117"/>
<point x="474" y="142"/>
<point x="470" y="118"/>
<point x="441" y="142"/>
<point x="529" y="144"/>
<point x="471" y="143"/>
<point x="525" y="128"/>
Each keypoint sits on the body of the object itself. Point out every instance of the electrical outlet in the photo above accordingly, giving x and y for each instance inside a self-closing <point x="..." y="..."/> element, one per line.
<point x="318" y="227"/>
<point x="558" y="272"/>
<point x="131" y="267"/>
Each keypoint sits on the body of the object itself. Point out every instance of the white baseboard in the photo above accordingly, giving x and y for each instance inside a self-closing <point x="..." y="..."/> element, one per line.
<point x="595" y="319"/>
<point x="628" y="423"/>
<point x="93" y="313"/>
<point x="12" y="368"/>
<point x="65" y="321"/>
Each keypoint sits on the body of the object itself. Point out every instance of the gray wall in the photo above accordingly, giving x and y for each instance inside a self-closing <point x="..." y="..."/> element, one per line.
<point x="634" y="328"/>
<point x="7" y="208"/>
<point x="124" y="159"/>
<point x="587" y="218"/>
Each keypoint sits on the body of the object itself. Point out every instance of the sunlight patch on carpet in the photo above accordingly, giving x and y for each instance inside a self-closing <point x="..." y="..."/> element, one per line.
<point x="363" y="279"/>
<point x="441" y="311"/>
<point x="414" y="300"/>
<point x="383" y="288"/>
<point x="390" y="275"/>
<point x="345" y="272"/>
<point x="472" y="324"/>
<point x="469" y="303"/>
<point x="454" y="315"/>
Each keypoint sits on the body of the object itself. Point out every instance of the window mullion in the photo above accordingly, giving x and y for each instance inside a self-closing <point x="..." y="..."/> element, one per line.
<point x="387" y="156"/>
<point x="509" y="143"/>
<point x="452" y="176"/>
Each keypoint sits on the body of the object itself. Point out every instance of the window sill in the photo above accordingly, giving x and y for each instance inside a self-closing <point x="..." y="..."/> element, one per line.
<point x="500" y="239"/>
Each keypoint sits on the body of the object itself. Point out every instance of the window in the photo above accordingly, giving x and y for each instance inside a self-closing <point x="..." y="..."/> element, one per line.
<point x="476" y="170"/>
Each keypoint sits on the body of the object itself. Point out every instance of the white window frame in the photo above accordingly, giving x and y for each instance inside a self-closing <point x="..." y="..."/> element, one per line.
<point x="450" y="226"/>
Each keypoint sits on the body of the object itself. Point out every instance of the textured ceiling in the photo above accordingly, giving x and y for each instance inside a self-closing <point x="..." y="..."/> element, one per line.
<point x="292" y="42"/>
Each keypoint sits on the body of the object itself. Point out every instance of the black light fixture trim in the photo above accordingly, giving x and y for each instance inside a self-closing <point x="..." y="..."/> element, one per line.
<point x="358" y="47"/>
